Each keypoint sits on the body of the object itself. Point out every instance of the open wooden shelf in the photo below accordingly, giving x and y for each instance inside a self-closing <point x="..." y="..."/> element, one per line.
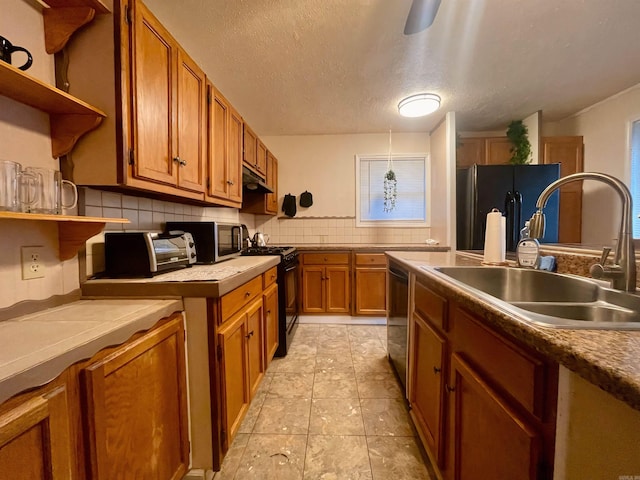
<point x="73" y="231"/>
<point x="70" y="118"/>
<point x="97" y="5"/>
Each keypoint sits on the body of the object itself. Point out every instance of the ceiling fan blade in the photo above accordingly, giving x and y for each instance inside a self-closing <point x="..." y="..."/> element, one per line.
<point x="421" y="15"/>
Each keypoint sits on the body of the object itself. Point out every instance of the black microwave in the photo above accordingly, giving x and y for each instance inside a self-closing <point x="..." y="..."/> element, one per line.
<point x="215" y="241"/>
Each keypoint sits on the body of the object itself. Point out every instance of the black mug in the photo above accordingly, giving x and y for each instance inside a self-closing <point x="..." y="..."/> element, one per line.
<point x="7" y="48"/>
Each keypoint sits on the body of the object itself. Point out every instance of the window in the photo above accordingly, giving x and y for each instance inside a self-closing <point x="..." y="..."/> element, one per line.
<point x="635" y="176"/>
<point x="412" y="202"/>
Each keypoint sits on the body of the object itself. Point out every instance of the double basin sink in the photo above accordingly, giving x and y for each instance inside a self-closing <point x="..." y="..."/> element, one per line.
<point x="548" y="299"/>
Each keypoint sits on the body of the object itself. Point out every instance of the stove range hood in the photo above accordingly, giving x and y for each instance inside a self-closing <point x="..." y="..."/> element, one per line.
<point x="253" y="183"/>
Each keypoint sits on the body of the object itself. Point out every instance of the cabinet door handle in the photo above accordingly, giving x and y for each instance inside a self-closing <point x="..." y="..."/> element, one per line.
<point x="450" y="389"/>
<point x="247" y="294"/>
<point x="436" y="370"/>
<point x="249" y="335"/>
<point x="230" y="182"/>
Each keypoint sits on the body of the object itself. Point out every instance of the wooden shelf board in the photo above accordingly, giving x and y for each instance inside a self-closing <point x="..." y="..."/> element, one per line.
<point x="73" y="231"/>
<point x="97" y="5"/>
<point x="59" y="218"/>
<point x="19" y="86"/>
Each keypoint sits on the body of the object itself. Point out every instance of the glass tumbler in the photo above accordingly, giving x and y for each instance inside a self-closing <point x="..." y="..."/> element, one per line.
<point x="49" y="191"/>
<point x="17" y="187"/>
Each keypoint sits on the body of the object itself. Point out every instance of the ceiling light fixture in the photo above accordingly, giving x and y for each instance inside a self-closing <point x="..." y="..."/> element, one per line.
<point x="419" y="105"/>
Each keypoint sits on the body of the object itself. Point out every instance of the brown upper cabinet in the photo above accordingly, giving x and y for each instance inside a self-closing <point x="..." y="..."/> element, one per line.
<point x="224" y="162"/>
<point x="155" y="136"/>
<point x="255" y="152"/>
<point x="483" y="151"/>
<point x="569" y="153"/>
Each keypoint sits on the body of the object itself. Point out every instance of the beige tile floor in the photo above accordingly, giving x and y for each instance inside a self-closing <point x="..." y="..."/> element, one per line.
<point x="330" y="409"/>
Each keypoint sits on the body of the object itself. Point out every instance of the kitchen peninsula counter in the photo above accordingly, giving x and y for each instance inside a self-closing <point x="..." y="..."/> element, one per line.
<point x="369" y="247"/>
<point x="36" y="348"/>
<point x="210" y="281"/>
<point x="609" y="359"/>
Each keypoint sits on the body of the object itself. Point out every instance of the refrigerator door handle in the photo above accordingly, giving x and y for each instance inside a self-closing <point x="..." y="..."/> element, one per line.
<point x="510" y="210"/>
<point x="517" y="221"/>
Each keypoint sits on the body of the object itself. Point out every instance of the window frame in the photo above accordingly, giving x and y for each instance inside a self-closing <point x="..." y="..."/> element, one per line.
<point x="427" y="192"/>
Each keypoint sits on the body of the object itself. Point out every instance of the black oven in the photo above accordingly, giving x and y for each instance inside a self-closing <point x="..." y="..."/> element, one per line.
<point x="288" y="303"/>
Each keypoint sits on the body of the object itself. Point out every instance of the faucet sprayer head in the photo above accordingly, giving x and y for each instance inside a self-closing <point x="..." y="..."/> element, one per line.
<point x="536" y="224"/>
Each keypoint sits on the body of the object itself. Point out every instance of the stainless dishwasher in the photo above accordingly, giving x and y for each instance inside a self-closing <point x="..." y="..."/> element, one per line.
<point x="397" y="320"/>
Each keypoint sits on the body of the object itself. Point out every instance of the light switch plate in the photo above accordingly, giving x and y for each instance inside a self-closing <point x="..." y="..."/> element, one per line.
<point x="32" y="262"/>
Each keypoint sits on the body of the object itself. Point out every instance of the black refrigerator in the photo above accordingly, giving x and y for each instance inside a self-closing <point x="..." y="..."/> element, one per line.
<point x="512" y="189"/>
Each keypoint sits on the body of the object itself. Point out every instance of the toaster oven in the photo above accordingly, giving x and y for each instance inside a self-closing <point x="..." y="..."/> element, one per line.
<point x="144" y="254"/>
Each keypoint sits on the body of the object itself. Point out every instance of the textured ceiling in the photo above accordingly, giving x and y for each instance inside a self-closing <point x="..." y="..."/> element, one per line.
<point x="341" y="66"/>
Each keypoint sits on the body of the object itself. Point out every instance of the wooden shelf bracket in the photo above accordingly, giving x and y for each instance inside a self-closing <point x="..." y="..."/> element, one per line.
<point x="61" y="23"/>
<point x="66" y="129"/>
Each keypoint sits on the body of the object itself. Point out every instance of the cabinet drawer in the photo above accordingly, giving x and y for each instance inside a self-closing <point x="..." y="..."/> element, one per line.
<point x="269" y="277"/>
<point x="325" y="258"/>
<point x="430" y="306"/>
<point x="236" y="299"/>
<point x="505" y="365"/>
<point x="378" y="259"/>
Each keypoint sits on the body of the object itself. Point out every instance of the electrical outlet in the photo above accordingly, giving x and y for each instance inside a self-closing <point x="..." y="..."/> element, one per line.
<point x="32" y="262"/>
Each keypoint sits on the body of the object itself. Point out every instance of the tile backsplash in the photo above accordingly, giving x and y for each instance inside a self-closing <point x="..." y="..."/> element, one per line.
<point x="148" y="214"/>
<point x="143" y="214"/>
<point x="299" y="231"/>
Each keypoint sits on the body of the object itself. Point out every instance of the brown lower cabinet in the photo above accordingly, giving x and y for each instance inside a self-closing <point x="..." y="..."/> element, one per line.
<point x="243" y="332"/>
<point x="120" y="414"/>
<point x="483" y="404"/>
<point x="370" y="284"/>
<point x="330" y="285"/>
<point x="35" y="440"/>
<point x="242" y="366"/>
<point x="325" y="283"/>
<point x="270" y="298"/>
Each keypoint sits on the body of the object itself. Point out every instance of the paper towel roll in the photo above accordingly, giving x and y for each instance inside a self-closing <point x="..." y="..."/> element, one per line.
<point x="494" y="239"/>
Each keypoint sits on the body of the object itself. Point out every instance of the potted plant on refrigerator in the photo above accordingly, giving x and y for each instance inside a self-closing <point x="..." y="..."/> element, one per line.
<point x="517" y="134"/>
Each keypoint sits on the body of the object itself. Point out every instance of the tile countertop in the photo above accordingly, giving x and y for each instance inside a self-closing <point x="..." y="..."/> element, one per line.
<point x="36" y="348"/>
<point x="607" y="358"/>
<point x="198" y="281"/>
<point x="377" y="247"/>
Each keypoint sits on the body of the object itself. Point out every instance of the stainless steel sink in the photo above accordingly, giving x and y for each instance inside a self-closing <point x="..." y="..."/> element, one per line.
<point x="599" y="312"/>
<point x="550" y="299"/>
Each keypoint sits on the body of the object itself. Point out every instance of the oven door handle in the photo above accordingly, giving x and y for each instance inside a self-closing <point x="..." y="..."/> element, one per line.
<point x="291" y="267"/>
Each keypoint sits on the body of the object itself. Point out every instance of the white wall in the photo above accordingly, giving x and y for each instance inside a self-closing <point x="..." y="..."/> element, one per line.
<point x="325" y="166"/>
<point x="532" y="122"/>
<point x="24" y="136"/>
<point x="443" y="161"/>
<point x="597" y="435"/>
<point x="605" y="128"/>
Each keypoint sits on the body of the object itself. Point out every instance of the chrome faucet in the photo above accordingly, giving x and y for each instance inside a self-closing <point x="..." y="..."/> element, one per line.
<point x="622" y="272"/>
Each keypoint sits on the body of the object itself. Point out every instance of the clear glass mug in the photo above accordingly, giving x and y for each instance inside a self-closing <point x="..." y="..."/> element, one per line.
<point x="17" y="187"/>
<point x="49" y="191"/>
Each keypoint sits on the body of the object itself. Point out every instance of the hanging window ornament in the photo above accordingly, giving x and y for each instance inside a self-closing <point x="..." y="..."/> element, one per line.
<point x="390" y="183"/>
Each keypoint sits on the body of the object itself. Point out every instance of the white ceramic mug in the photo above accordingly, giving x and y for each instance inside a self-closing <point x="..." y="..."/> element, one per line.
<point x="49" y="191"/>
<point x="17" y="187"/>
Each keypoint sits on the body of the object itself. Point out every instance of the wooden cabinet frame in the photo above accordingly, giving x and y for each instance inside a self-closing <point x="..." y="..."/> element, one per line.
<point x="39" y="426"/>
<point x="147" y="350"/>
